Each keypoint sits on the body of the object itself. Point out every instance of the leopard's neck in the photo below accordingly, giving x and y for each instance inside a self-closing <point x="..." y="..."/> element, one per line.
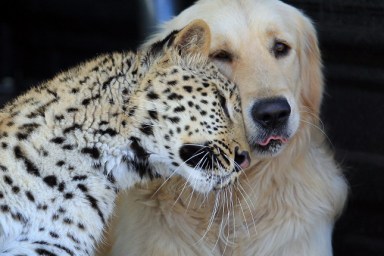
<point x="88" y="109"/>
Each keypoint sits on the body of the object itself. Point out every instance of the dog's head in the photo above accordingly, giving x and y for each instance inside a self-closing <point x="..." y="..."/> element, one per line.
<point x="270" y="50"/>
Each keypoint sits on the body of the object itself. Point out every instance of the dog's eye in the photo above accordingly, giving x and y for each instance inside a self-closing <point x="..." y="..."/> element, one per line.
<point x="280" y="49"/>
<point x="222" y="55"/>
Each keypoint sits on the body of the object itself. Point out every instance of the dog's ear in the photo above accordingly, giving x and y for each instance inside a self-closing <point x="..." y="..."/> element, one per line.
<point x="311" y="73"/>
<point x="194" y="38"/>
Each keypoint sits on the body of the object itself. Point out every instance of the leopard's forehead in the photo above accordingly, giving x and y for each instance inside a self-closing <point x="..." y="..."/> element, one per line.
<point x="189" y="77"/>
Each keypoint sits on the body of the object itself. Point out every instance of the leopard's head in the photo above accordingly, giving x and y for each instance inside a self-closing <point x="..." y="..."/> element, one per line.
<point x="189" y="115"/>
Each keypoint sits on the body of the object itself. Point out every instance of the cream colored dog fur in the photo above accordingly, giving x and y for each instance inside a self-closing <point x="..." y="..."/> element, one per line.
<point x="287" y="202"/>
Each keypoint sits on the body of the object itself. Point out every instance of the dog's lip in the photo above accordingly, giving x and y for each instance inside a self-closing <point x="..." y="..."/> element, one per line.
<point x="266" y="141"/>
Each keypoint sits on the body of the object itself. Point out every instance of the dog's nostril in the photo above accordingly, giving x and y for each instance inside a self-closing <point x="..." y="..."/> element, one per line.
<point x="271" y="112"/>
<point x="242" y="159"/>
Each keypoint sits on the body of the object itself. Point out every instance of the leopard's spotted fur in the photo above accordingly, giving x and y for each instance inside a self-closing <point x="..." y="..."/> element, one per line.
<point x="68" y="145"/>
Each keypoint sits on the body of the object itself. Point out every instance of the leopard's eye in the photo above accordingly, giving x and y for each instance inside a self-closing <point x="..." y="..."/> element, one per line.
<point x="223" y="103"/>
<point x="222" y="55"/>
<point x="280" y="49"/>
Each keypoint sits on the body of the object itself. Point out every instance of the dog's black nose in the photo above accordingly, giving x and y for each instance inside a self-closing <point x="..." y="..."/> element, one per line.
<point x="271" y="112"/>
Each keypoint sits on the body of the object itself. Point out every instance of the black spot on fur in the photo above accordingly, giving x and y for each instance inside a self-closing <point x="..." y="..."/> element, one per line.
<point x="188" y="88"/>
<point x="15" y="189"/>
<point x="125" y="91"/>
<point x="68" y="195"/>
<point x="79" y="177"/>
<point x="43" y="207"/>
<point x="86" y="102"/>
<point x="71" y="128"/>
<point x="81" y="226"/>
<point x="60" y="163"/>
<point x="206" y="85"/>
<point x="94" y="204"/>
<point x="84" y="80"/>
<point x="58" y="140"/>
<point x="172" y="82"/>
<point x="30" y="196"/>
<point x="132" y="111"/>
<point x="41" y="251"/>
<point x="174" y="119"/>
<point x="68" y="251"/>
<point x="31" y="168"/>
<point x="146" y="129"/>
<point x="140" y="162"/>
<point x="74" y="239"/>
<point x="4" y="208"/>
<point x="59" y="117"/>
<point x="68" y="147"/>
<point x="108" y="131"/>
<point x="179" y="109"/>
<point x="92" y="152"/>
<point x="107" y="82"/>
<point x="72" y="110"/>
<point x="8" y="180"/>
<point x="21" y="136"/>
<point x="67" y="221"/>
<point x="153" y="114"/>
<point x="18" y="217"/>
<point x="54" y="235"/>
<point x="82" y="187"/>
<point x="175" y="96"/>
<point x="54" y="94"/>
<point x="40" y="111"/>
<point x="61" y="187"/>
<point x="152" y="95"/>
<point x="50" y="180"/>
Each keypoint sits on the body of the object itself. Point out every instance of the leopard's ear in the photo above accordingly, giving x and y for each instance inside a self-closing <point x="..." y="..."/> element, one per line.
<point x="194" y="38"/>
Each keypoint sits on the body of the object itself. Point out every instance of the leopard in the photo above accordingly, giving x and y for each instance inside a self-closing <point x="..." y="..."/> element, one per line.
<point x="70" y="144"/>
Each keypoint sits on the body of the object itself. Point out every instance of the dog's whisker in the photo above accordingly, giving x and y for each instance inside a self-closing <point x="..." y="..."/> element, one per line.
<point x="320" y="130"/>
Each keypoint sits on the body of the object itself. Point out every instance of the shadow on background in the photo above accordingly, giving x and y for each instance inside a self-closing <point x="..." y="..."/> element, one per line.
<point x="39" y="38"/>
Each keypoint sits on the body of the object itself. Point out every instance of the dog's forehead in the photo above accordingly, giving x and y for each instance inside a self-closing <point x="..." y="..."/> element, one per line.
<point x="244" y="21"/>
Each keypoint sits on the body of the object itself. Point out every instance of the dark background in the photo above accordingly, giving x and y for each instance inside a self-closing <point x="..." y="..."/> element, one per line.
<point x="38" y="38"/>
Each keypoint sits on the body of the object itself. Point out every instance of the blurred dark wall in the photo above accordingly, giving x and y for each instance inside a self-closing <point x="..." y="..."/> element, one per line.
<point x="41" y="37"/>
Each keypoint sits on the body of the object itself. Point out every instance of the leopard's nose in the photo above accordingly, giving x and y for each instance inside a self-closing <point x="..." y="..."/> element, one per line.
<point x="242" y="159"/>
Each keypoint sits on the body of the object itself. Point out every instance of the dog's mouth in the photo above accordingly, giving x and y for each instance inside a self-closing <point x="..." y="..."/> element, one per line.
<point x="270" y="145"/>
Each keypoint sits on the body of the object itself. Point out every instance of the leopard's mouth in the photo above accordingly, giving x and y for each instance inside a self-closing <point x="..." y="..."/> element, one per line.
<point x="211" y="171"/>
<point x="225" y="181"/>
<point x="202" y="156"/>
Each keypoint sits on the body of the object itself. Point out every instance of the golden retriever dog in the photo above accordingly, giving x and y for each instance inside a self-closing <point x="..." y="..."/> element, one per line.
<point x="288" y="201"/>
